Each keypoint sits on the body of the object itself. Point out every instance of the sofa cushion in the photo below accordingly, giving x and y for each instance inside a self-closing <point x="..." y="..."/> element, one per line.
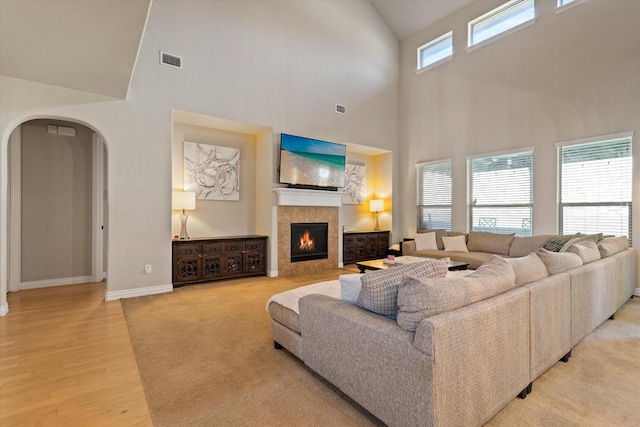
<point x="557" y="262"/>
<point x="579" y="238"/>
<point x="587" y="250"/>
<point x="426" y="241"/>
<point x="350" y="285"/>
<point x="612" y="245"/>
<point x="495" y="243"/>
<point x="379" y="291"/>
<point x="528" y="269"/>
<point x="440" y="233"/>
<point x="455" y="243"/>
<point x="523" y="246"/>
<point x="419" y="298"/>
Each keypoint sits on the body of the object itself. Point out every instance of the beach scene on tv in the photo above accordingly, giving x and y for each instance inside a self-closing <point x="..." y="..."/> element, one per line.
<point x="305" y="161"/>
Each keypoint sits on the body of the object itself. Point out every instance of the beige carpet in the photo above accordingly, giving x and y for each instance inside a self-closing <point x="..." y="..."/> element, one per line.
<point x="206" y="358"/>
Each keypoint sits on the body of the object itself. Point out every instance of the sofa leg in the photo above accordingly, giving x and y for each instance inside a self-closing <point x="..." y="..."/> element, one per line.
<point x="566" y="357"/>
<point x="612" y="316"/>
<point x="529" y="388"/>
<point x="277" y="346"/>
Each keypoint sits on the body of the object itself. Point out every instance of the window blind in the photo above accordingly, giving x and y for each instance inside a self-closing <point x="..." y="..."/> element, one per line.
<point x="595" y="180"/>
<point x="500" y="194"/>
<point x="434" y="195"/>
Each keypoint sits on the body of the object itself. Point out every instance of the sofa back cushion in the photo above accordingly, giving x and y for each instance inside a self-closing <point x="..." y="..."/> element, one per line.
<point x="494" y="243"/>
<point x="523" y="246"/>
<point x="612" y="245"/>
<point x="379" y="291"/>
<point x="419" y="298"/>
<point x="587" y="250"/>
<point x="528" y="269"/>
<point x="557" y="262"/>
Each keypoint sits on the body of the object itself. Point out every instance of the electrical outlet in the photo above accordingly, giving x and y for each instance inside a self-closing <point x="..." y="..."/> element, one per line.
<point x="147" y="268"/>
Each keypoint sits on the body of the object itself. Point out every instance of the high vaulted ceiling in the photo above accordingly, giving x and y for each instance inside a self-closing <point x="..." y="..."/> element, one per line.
<point x="92" y="45"/>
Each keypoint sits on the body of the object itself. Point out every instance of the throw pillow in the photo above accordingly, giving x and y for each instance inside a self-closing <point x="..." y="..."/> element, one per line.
<point x="554" y="244"/>
<point x="528" y="269"/>
<point x="379" y="291"/>
<point x="557" y="262"/>
<point x="612" y="245"/>
<point x="350" y="285"/>
<point x="494" y="243"/>
<point x="440" y="233"/>
<point x="577" y="239"/>
<point x="426" y="242"/>
<point x="587" y="250"/>
<point x="455" y="244"/>
<point x="419" y="298"/>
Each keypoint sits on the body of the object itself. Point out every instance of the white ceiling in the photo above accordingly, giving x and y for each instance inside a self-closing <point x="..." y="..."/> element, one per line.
<point x="85" y="45"/>
<point x="92" y="45"/>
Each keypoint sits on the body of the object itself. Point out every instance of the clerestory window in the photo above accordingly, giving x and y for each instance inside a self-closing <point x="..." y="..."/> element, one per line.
<point x="510" y="16"/>
<point x="436" y="51"/>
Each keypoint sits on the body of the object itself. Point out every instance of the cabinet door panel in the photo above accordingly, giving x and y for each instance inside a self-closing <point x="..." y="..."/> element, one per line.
<point x="188" y="269"/>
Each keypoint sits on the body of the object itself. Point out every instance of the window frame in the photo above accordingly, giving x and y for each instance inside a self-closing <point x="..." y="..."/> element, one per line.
<point x="431" y="44"/>
<point x="562" y="5"/>
<point x="472" y="199"/>
<point x="510" y="5"/>
<point x="420" y="206"/>
<point x="591" y="141"/>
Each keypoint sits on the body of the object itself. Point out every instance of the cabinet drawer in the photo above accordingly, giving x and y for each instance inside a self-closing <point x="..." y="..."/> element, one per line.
<point x="349" y="240"/>
<point x="212" y="248"/>
<point x="188" y="249"/>
<point x="234" y="247"/>
<point x="254" y="245"/>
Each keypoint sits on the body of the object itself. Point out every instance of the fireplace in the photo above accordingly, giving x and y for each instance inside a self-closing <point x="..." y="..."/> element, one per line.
<point x="309" y="241"/>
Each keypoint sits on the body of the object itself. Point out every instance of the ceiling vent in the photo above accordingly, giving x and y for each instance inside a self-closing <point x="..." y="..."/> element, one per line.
<point x="170" y="60"/>
<point x="341" y="109"/>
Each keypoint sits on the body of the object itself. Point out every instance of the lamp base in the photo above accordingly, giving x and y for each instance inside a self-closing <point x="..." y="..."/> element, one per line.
<point x="183" y="226"/>
<point x="377" y="227"/>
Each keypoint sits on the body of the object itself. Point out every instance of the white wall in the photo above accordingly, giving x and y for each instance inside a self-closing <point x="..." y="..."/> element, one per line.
<point x="571" y="75"/>
<point x="281" y="64"/>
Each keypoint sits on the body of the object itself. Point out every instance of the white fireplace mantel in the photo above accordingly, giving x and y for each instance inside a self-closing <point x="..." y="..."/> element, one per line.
<point x="303" y="197"/>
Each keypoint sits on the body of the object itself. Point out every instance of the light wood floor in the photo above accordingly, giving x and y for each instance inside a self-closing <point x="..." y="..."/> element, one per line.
<point x="66" y="359"/>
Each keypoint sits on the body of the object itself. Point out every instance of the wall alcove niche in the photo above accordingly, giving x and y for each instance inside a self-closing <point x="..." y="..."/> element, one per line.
<point x="57" y="205"/>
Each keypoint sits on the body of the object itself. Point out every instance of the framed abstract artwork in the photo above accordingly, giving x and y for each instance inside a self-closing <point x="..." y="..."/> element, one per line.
<point x="355" y="185"/>
<point x="211" y="171"/>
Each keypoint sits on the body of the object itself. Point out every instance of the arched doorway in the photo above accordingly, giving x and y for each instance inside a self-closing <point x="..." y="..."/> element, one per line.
<point x="57" y="204"/>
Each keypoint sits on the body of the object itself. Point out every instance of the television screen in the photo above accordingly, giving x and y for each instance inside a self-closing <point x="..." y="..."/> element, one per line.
<point x="306" y="162"/>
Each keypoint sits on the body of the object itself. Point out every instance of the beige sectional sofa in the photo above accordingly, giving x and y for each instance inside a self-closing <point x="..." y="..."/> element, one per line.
<point x="460" y="348"/>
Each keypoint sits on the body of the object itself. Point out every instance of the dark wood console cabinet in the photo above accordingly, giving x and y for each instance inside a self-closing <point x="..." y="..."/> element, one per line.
<point x="206" y="259"/>
<point x="364" y="245"/>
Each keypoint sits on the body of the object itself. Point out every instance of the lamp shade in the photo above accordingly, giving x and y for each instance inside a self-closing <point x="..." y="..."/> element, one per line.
<point x="376" y="205"/>
<point x="183" y="200"/>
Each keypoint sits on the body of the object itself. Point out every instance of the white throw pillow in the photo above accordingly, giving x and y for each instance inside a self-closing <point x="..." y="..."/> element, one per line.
<point x="426" y="242"/>
<point x="350" y="285"/>
<point x="455" y="243"/>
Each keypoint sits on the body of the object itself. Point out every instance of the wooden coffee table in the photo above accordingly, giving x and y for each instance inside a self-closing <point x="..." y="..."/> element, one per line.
<point x="379" y="264"/>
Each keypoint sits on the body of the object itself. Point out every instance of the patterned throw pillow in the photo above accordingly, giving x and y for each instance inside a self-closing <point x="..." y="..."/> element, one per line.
<point x="379" y="291"/>
<point x="553" y="244"/>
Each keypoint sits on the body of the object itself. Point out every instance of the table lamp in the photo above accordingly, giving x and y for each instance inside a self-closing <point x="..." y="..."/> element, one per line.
<point x="376" y="205"/>
<point x="183" y="200"/>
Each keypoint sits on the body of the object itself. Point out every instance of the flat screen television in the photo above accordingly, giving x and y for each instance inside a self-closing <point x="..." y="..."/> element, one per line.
<point x="311" y="163"/>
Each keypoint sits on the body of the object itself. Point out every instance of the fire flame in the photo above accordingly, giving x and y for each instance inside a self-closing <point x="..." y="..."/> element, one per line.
<point x="306" y="242"/>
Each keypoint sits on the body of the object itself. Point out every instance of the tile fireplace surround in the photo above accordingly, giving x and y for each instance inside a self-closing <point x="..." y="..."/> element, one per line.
<point x="307" y="206"/>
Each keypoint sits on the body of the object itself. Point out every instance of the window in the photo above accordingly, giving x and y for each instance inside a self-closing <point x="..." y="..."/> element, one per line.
<point x="500" y="196"/>
<point x="434" y="195"/>
<point x="563" y="5"/>
<point x="435" y="51"/>
<point x="508" y="16"/>
<point x="594" y="179"/>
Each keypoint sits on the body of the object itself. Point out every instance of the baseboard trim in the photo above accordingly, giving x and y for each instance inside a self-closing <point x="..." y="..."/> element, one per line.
<point x="137" y="292"/>
<point x="637" y="292"/>
<point x="4" y="309"/>
<point x="272" y="273"/>
<point x="63" y="281"/>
